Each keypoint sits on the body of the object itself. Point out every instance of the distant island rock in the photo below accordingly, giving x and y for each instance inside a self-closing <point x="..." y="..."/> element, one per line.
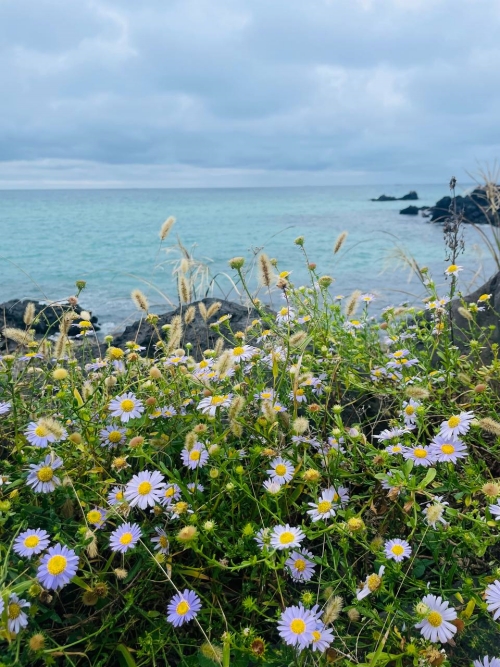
<point x="411" y="196"/>
<point x="475" y="207"/>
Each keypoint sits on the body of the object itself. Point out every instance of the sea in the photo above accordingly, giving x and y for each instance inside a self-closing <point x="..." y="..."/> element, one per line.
<point x="49" y="239"/>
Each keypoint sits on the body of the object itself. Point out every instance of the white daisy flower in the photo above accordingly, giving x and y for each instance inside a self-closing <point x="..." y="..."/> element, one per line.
<point x="371" y="584"/>
<point x="421" y="456"/>
<point x="281" y="470"/>
<point x="209" y="405"/>
<point x="161" y="541"/>
<point x="17" y="618"/>
<point x="448" y="449"/>
<point x="272" y="487"/>
<point x="492" y="596"/>
<point x="487" y="662"/>
<point x="495" y="510"/>
<point x="397" y="550"/>
<point x="285" y="314"/>
<point x="286" y="537"/>
<point x="389" y="433"/>
<point x="126" y="407"/>
<point x="409" y="411"/>
<point x="196" y="457"/>
<point x="456" y="425"/>
<point x="324" y="507"/>
<point x="436" y="626"/>
<point x="434" y="511"/>
<point x="145" y="489"/>
<point x="243" y="352"/>
<point x="453" y="270"/>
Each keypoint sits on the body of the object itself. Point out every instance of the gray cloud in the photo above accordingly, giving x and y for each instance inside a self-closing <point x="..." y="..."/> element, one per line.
<point x="234" y="92"/>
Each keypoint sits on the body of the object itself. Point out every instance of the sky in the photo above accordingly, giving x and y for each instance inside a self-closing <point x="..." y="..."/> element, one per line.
<point x="229" y="93"/>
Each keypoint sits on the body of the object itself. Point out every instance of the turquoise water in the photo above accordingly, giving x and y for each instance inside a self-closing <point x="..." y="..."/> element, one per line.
<point x="109" y="238"/>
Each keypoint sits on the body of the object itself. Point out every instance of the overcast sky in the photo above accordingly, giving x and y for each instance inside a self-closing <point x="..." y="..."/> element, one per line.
<point x="169" y="93"/>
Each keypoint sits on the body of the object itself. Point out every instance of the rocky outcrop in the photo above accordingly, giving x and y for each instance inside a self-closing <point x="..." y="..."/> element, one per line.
<point x="411" y="196"/>
<point x="410" y="210"/>
<point x="198" y="332"/>
<point x="47" y="317"/>
<point x="475" y="207"/>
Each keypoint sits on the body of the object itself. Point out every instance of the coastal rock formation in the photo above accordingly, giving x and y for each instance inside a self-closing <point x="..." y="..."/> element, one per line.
<point x="47" y="317"/>
<point x="411" y="196"/>
<point x="410" y="210"/>
<point x="476" y="207"/>
<point x="198" y="332"/>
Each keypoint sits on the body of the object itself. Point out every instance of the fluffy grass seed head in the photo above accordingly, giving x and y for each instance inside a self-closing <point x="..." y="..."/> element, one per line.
<point x="211" y="652"/>
<point x="29" y="314"/>
<point x="490" y="425"/>
<point x="189" y="315"/>
<point x="184" y="289"/>
<point x="352" y="303"/>
<point x="341" y="239"/>
<point x="333" y="610"/>
<point x="17" y="335"/>
<point x="213" y="309"/>
<point x="418" y="393"/>
<point x="166" y="227"/>
<point x="140" y="300"/>
<point x="265" y="270"/>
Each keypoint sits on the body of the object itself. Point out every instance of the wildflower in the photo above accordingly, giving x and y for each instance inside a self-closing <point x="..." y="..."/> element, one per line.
<point x="126" y="407"/>
<point x="272" y="487"/>
<point x="298" y="395"/>
<point x="41" y="477"/>
<point x="491" y="489"/>
<point x="395" y="449"/>
<point x="301" y="565"/>
<point x="196" y="457"/>
<point x="31" y="542"/>
<point x="31" y="355"/>
<point x="420" y="455"/>
<point x="367" y="298"/>
<point x="4" y="407"/>
<point x="296" y="626"/>
<point x="388" y="434"/>
<point x="125" y="537"/>
<point x="243" y="353"/>
<point x="286" y="537"/>
<point x="116" y="496"/>
<point x="285" y="315"/>
<point x="112" y="436"/>
<point x="171" y="492"/>
<point x="456" y="425"/>
<point x="487" y="662"/>
<point x="39" y="435"/>
<point x="17" y="619"/>
<point x="281" y="470"/>
<point x="263" y="537"/>
<point x="179" y="508"/>
<point x="410" y="411"/>
<point x="324" y="507"/>
<point x="453" y="270"/>
<point x="434" y="511"/>
<point x="371" y="584"/>
<point x="355" y="524"/>
<point x="436" y="626"/>
<point x="183" y="607"/>
<point x="193" y="487"/>
<point x="57" y="567"/>
<point x="495" y="510"/>
<point x="97" y="517"/>
<point x="145" y="489"/>
<point x="492" y="596"/>
<point x="265" y="395"/>
<point x="397" y="550"/>
<point x="447" y="449"/>
<point x="161" y="541"/>
<point x="210" y="404"/>
<point x="322" y="637"/>
<point x="484" y="297"/>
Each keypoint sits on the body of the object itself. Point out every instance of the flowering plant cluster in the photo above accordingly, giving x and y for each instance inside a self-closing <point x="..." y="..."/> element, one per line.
<point x="316" y="489"/>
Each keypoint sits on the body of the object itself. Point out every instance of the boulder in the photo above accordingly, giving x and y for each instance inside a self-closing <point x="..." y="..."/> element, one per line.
<point x="47" y="317"/>
<point x="198" y="332"/>
<point x="410" y="210"/>
<point x="411" y="196"/>
<point x="474" y="206"/>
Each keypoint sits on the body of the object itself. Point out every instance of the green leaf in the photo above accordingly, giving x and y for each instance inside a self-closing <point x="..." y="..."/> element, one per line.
<point x="431" y="473"/>
<point x="125" y="658"/>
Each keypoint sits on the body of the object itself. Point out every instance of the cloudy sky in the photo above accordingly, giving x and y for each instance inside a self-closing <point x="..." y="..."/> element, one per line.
<point x="179" y="93"/>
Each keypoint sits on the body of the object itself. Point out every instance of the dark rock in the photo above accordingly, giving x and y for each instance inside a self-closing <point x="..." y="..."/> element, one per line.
<point x="474" y="207"/>
<point x="198" y="332"/>
<point x="410" y="210"/>
<point x="411" y="196"/>
<point x="47" y="317"/>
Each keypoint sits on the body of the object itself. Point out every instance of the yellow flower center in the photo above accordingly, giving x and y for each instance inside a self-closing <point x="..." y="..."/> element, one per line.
<point x="452" y="267"/>
<point x="299" y="392"/>
<point x="409" y="410"/>
<point x="397" y="550"/>
<point x="127" y="405"/>
<point x="56" y="565"/>
<point x="114" y="436"/>
<point x="169" y="492"/>
<point x="115" y="353"/>
<point x="435" y="619"/>
<point x="217" y="400"/>
<point x="484" y="297"/>
<point x="397" y="448"/>
<point x="45" y="474"/>
<point x="126" y="538"/>
<point x="194" y="455"/>
<point x="144" y="488"/>
<point x="85" y="324"/>
<point x="32" y="541"/>
<point x="300" y="565"/>
<point x="175" y="360"/>
<point x="324" y="506"/>
<point x="336" y="497"/>
<point x="182" y="608"/>
<point x="397" y="354"/>
<point x="286" y="537"/>
<point x="41" y="431"/>
<point x="94" y="516"/>
<point x="163" y="542"/>
<point x="280" y="469"/>
<point x="355" y="322"/>
<point x="297" y="626"/>
<point x="265" y="394"/>
<point x="284" y="311"/>
<point x="119" y="461"/>
<point x="203" y="363"/>
<point x="447" y="449"/>
<point x="420" y="453"/>
<point x="373" y="582"/>
<point x="355" y="524"/>
<point x="453" y="422"/>
<point x="316" y="635"/>
<point x="237" y="351"/>
<point x="119" y="495"/>
<point x="14" y="611"/>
